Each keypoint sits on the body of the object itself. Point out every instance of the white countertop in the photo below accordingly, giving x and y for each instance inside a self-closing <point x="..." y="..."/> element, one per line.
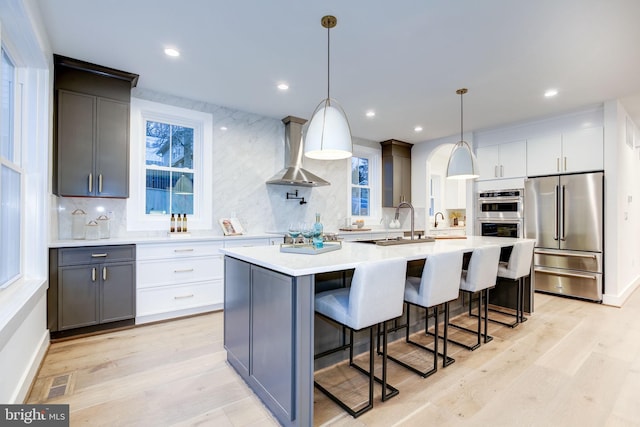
<point x="162" y="238"/>
<point x="353" y="253"/>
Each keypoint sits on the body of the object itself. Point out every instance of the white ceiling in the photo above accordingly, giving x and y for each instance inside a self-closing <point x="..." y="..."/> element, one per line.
<point x="403" y="59"/>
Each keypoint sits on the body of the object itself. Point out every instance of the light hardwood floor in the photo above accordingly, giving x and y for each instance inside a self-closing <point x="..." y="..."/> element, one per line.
<point x="573" y="363"/>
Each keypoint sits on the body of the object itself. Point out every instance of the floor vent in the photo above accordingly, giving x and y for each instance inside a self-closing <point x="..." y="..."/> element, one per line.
<point x="59" y="386"/>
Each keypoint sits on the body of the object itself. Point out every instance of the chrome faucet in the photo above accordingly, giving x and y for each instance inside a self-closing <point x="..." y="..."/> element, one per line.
<point x="435" y="223"/>
<point x="413" y="216"/>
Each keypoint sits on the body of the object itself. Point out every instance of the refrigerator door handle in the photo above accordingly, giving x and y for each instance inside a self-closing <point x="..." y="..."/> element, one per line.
<point x="555" y="215"/>
<point x="562" y="216"/>
<point x="559" y="273"/>
<point x="565" y="254"/>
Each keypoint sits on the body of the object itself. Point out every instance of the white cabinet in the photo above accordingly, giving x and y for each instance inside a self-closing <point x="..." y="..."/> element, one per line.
<point x="178" y="278"/>
<point x="502" y="161"/>
<point x="578" y="151"/>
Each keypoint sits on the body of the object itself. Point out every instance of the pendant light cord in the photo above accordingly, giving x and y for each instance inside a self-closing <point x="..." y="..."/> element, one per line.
<point x="461" y="118"/>
<point x="328" y="60"/>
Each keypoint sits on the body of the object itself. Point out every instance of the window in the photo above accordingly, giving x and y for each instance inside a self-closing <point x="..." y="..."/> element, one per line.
<point x="170" y="166"/>
<point x="10" y="177"/>
<point x="364" y="192"/>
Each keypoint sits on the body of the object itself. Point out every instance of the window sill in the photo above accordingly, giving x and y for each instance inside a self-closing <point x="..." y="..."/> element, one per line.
<point x="16" y="302"/>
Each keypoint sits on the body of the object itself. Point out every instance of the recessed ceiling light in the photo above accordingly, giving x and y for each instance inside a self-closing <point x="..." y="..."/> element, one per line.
<point x="283" y="86"/>
<point x="418" y="128"/>
<point x="371" y="113"/>
<point x="223" y="128"/>
<point x="550" y="93"/>
<point x="171" y="52"/>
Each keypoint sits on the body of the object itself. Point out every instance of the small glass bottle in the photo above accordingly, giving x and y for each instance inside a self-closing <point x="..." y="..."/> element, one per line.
<point x="179" y="224"/>
<point x="184" y="223"/>
<point x="317" y="233"/>
<point x="173" y="223"/>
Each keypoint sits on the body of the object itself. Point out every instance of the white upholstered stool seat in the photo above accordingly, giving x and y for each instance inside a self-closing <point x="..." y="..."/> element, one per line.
<point x="375" y="296"/>
<point x="439" y="284"/>
<point x="480" y="275"/>
<point x="517" y="268"/>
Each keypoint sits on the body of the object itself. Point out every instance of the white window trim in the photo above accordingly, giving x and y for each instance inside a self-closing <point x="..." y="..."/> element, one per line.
<point x="375" y="184"/>
<point x="202" y="123"/>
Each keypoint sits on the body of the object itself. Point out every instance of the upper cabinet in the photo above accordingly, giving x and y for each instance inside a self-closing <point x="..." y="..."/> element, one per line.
<point x="91" y="129"/>
<point x="502" y="161"/>
<point x="577" y="151"/>
<point x="396" y="172"/>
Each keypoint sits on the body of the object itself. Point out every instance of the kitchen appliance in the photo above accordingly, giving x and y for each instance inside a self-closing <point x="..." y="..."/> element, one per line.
<point x="564" y="214"/>
<point x="293" y="173"/>
<point x="500" y="213"/>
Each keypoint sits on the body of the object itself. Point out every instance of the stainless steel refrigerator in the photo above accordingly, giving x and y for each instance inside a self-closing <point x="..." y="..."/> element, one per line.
<point x="565" y="215"/>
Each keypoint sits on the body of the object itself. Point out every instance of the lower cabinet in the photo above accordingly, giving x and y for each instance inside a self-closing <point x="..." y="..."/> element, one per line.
<point x="92" y="286"/>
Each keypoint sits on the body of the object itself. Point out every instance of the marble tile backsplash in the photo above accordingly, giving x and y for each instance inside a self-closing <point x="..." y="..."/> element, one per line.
<point x="248" y="150"/>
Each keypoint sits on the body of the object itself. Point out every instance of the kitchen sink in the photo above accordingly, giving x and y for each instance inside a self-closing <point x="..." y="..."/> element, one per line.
<point x="396" y="241"/>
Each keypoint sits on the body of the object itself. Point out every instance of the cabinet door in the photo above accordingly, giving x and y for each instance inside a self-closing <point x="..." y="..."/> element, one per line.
<point x="513" y="159"/>
<point x="117" y="299"/>
<point x="583" y="150"/>
<point x="112" y="149"/>
<point x="488" y="161"/>
<point x="78" y="296"/>
<point x="75" y="148"/>
<point x="544" y="155"/>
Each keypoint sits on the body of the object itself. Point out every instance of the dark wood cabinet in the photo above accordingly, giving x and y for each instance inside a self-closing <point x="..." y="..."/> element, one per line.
<point x="396" y="172"/>
<point x="91" y="135"/>
<point x="91" y="286"/>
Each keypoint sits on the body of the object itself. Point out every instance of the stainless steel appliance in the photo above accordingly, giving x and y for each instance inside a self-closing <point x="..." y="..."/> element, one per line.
<point x="500" y="213"/>
<point x="565" y="215"/>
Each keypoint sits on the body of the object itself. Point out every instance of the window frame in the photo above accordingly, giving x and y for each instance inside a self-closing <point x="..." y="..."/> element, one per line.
<point x="202" y="124"/>
<point x="375" y="184"/>
<point x="16" y="163"/>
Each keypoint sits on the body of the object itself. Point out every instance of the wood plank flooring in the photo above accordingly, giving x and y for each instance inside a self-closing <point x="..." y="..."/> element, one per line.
<point x="572" y="363"/>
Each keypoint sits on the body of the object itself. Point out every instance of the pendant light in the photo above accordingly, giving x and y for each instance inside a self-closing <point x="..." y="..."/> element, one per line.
<point x="328" y="135"/>
<point x="462" y="162"/>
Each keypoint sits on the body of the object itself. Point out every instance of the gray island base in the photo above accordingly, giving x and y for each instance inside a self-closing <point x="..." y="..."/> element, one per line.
<point x="269" y="314"/>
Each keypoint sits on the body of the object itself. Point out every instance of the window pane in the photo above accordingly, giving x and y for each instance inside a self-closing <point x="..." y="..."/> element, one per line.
<point x="6" y="108"/>
<point x="182" y="193"/>
<point x="359" y="201"/>
<point x="181" y="147"/>
<point x="158" y="143"/>
<point x="9" y="224"/>
<point x="359" y="171"/>
<point x="158" y="191"/>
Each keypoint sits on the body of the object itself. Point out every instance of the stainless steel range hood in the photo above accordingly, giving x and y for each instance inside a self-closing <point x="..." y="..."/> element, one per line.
<point x="293" y="173"/>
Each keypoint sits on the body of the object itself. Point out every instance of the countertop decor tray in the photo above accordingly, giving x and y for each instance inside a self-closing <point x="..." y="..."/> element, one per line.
<point x="310" y="249"/>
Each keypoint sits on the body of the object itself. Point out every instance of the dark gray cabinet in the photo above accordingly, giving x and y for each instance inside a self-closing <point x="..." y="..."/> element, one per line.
<point x="91" y="129"/>
<point x="396" y="172"/>
<point x="93" y="285"/>
<point x="93" y="146"/>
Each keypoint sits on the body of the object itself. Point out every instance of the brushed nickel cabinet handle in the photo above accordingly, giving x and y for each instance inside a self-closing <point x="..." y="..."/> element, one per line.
<point x="495" y="171"/>
<point x="98" y="255"/>
<point x="565" y="163"/>
<point x="501" y="171"/>
<point x="90" y="182"/>
<point x="185" y="270"/>
<point x="104" y="273"/>
<point x="558" y="164"/>
<point x="93" y="274"/>
<point x="183" y="296"/>
<point x="183" y="250"/>
<point x="100" y="183"/>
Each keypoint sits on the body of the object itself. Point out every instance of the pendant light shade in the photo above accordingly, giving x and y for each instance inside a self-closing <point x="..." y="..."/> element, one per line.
<point x="462" y="161"/>
<point x="328" y="134"/>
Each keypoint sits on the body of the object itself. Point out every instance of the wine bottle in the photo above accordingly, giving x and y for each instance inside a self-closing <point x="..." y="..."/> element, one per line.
<point x="184" y="223"/>
<point x="173" y="223"/>
<point x="317" y="233"/>
<point x="179" y="224"/>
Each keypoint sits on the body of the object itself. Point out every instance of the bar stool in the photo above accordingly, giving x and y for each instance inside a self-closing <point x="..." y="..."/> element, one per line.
<point x="375" y="296"/>
<point x="517" y="268"/>
<point x="478" y="278"/>
<point x="439" y="284"/>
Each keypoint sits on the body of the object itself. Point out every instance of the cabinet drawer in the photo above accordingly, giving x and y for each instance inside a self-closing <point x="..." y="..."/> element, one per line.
<point x="177" y="250"/>
<point x="96" y="254"/>
<point x="169" y="272"/>
<point x="178" y="297"/>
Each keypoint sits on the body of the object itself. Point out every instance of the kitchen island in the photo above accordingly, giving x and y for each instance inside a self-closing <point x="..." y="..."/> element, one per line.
<point x="269" y="313"/>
